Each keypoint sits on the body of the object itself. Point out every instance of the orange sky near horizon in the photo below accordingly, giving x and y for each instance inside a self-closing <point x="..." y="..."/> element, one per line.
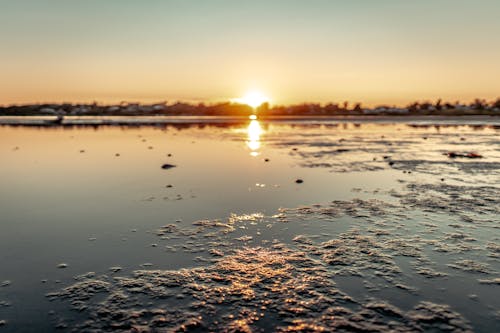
<point x="384" y="52"/>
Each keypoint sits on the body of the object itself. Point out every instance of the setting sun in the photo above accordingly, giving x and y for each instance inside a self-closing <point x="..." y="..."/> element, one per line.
<point x="253" y="98"/>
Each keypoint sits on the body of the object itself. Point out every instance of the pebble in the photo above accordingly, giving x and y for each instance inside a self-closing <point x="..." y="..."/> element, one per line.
<point x="62" y="265"/>
<point x="5" y="283"/>
<point x="299" y="181"/>
<point x="167" y="166"/>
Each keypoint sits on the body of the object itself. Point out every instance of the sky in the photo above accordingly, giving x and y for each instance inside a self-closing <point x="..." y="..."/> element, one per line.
<point x="372" y="51"/>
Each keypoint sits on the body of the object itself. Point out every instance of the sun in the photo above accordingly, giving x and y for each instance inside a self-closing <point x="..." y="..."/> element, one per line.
<point x="253" y="98"/>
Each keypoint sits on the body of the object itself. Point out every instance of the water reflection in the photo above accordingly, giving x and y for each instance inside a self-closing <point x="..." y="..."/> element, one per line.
<point x="254" y="131"/>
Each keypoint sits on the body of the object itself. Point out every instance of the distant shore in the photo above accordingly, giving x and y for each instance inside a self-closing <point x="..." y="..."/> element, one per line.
<point x="310" y="119"/>
<point x="479" y="107"/>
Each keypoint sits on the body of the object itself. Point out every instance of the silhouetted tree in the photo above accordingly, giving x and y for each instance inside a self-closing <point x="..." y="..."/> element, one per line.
<point x="357" y="107"/>
<point x="496" y="104"/>
<point x="438" y="104"/>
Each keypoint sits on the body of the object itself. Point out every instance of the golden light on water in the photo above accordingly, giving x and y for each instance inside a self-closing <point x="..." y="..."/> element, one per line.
<point x="254" y="131"/>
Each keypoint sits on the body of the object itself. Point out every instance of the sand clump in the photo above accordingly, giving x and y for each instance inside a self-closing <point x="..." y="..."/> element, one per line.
<point x="238" y="292"/>
<point x="286" y="280"/>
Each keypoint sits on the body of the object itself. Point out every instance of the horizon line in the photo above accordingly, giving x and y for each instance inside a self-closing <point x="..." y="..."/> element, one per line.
<point x="209" y="103"/>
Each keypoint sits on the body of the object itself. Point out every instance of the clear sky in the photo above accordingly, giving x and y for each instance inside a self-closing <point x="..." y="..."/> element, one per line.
<point x="372" y="51"/>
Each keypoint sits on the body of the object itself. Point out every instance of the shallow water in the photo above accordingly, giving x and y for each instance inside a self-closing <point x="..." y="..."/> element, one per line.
<point x="384" y="232"/>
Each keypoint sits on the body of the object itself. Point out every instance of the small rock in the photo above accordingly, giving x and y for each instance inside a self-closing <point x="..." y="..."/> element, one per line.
<point x="452" y="154"/>
<point x="299" y="181"/>
<point x="3" y="322"/>
<point x="391" y="163"/>
<point x="115" y="269"/>
<point x="169" y="155"/>
<point x="117" y="154"/>
<point x="82" y="151"/>
<point x="62" y="265"/>
<point x="169" y="186"/>
<point x="5" y="283"/>
<point x="266" y="160"/>
<point x="167" y="166"/>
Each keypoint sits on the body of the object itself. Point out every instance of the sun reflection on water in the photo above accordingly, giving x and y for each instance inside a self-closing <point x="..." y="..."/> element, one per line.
<point x="254" y="131"/>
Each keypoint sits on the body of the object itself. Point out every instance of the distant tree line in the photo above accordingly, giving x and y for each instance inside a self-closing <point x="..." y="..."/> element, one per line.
<point x="477" y="107"/>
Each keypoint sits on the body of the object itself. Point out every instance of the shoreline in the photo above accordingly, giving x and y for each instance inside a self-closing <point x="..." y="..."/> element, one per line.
<point x="166" y="120"/>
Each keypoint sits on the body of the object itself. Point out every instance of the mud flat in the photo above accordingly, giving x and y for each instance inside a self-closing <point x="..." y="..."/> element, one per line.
<point x="385" y="233"/>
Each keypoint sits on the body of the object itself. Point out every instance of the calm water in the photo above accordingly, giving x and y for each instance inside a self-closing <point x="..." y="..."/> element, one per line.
<point x="408" y="225"/>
